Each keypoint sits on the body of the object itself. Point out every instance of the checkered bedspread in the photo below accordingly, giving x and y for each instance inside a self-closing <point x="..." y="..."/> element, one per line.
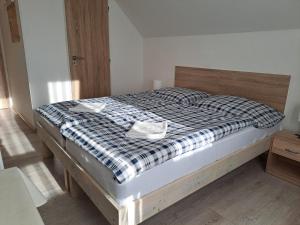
<point x="116" y="108"/>
<point x="264" y="116"/>
<point x="189" y="129"/>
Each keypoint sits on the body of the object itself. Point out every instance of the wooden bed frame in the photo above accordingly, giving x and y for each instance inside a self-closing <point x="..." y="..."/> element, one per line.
<point x="269" y="89"/>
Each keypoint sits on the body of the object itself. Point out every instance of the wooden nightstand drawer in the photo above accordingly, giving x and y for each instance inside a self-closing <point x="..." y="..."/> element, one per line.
<point x="286" y="149"/>
<point x="284" y="157"/>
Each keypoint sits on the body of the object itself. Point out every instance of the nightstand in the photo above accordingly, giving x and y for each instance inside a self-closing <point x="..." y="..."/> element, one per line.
<point x="284" y="157"/>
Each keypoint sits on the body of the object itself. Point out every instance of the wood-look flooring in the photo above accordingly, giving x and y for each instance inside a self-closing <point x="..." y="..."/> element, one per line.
<point x="247" y="196"/>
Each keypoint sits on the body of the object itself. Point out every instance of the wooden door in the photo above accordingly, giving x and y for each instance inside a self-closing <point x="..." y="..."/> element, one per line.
<point x="87" y="28"/>
<point x="3" y="84"/>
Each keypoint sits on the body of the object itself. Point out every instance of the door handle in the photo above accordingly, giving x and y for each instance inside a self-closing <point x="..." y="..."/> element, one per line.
<point x="76" y="59"/>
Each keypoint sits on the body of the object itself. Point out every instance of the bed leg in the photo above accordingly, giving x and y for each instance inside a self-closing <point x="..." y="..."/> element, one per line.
<point x="67" y="182"/>
<point x="74" y="189"/>
<point x="45" y="152"/>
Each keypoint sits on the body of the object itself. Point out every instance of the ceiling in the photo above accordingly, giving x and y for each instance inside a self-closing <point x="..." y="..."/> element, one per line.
<point x="156" y="18"/>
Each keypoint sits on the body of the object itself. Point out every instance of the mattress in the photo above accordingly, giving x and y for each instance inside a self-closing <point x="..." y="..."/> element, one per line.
<point x="51" y="129"/>
<point x="169" y="171"/>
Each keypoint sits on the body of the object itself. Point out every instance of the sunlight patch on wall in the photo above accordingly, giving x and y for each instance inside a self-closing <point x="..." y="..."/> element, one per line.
<point x="4" y="103"/>
<point x="76" y="89"/>
<point x="59" y="91"/>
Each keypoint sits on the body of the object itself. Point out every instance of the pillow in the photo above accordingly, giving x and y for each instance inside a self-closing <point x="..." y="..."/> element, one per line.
<point x="263" y="115"/>
<point x="180" y="95"/>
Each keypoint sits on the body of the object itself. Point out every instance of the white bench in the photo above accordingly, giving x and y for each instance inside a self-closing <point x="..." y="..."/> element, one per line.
<point x="18" y="199"/>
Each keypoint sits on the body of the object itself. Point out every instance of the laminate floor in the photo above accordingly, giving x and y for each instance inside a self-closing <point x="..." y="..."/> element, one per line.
<point x="247" y="196"/>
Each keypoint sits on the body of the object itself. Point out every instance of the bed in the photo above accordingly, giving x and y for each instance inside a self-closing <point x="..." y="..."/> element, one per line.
<point x="133" y="202"/>
<point x="170" y="171"/>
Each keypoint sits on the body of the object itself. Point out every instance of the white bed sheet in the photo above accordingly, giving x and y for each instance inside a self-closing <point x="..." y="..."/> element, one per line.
<point x="169" y="171"/>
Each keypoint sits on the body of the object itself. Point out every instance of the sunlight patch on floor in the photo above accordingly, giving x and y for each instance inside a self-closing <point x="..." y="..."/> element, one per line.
<point x="40" y="175"/>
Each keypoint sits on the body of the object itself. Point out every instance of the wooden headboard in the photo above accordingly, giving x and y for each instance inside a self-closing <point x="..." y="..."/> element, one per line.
<point x="269" y="89"/>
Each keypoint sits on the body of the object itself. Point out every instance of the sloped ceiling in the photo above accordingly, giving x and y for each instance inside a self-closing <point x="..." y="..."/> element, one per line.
<point x="155" y="18"/>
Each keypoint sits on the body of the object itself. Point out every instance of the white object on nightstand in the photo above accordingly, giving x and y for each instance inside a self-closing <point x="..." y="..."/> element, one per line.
<point x="157" y="84"/>
<point x="18" y="199"/>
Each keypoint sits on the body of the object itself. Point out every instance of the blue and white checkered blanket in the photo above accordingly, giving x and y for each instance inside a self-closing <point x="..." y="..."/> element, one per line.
<point x="103" y="134"/>
<point x="116" y="107"/>
<point x="189" y="129"/>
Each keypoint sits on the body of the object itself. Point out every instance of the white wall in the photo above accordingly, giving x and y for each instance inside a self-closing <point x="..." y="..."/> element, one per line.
<point x="45" y="42"/>
<point x="270" y="52"/>
<point x="126" y="52"/>
<point x="16" y="70"/>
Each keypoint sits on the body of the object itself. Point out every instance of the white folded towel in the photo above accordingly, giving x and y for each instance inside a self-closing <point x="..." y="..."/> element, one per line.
<point x="88" y="107"/>
<point x="148" y="130"/>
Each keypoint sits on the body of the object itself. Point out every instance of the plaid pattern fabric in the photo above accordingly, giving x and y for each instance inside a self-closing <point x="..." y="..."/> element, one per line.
<point x="189" y="129"/>
<point x="180" y="95"/>
<point x="60" y="116"/>
<point x="263" y="115"/>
